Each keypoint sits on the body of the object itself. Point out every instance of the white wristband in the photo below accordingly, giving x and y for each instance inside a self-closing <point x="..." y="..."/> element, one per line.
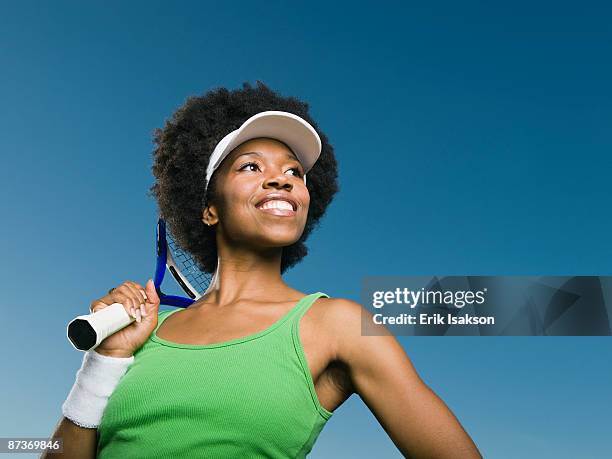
<point x="95" y="382"/>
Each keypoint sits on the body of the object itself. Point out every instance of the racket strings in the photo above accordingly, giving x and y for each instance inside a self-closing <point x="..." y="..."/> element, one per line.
<point x="187" y="265"/>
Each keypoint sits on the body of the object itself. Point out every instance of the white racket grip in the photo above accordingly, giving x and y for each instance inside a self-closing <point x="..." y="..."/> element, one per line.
<point x="86" y="332"/>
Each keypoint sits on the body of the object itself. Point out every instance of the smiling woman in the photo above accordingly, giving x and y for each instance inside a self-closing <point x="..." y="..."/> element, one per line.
<point x="261" y="194"/>
<point x="254" y="368"/>
<point x="186" y="166"/>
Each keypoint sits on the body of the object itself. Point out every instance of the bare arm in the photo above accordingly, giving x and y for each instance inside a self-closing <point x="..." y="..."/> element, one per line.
<point x="77" y="442"/>
<point x="416" y="419"/>
<point x="80" y="442"/>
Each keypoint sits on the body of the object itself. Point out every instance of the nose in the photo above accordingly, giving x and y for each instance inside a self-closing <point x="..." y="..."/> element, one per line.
<point x="280" y="181"/>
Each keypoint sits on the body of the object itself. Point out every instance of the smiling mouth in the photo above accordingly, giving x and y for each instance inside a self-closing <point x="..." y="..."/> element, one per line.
<point x="277" y="207"/>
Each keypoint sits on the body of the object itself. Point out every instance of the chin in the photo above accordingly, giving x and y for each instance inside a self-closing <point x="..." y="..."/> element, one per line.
<point x="279" y="238"/>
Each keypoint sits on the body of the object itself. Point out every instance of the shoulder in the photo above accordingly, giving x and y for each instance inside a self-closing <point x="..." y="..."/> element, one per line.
<point x="333" y="311"/>
<point x="342" y="313"/>
<point x="328" y="314"/>
<point x="340" y="308"/>
<point x="161" y="315"/>
<point x="343" y="321"/>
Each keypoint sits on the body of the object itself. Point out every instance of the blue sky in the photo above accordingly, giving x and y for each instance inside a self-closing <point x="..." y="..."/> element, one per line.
<point x="472" y="139"/>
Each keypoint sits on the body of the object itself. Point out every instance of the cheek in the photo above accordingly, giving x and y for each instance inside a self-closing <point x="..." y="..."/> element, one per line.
<point x="305" y="199"/>
<point x="238" y="210"/>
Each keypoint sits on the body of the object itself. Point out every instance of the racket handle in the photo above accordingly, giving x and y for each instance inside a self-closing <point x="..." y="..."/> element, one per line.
<point x="86" y="332"/>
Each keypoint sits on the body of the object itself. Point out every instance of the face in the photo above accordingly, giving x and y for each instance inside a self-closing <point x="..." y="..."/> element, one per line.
<point x="262" y="198"/>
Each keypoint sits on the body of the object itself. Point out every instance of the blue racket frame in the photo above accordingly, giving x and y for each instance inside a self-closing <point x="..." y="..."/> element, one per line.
<point x="161" y="248"/>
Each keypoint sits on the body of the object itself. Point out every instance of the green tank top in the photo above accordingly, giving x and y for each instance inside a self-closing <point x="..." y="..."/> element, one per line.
<point x="250" y="397"/>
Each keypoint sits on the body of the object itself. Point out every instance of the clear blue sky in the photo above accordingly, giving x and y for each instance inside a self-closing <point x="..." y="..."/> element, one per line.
<point x="472" y="139"/>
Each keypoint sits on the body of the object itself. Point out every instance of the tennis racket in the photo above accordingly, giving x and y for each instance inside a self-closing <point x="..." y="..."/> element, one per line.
<point x="86" y="332"/>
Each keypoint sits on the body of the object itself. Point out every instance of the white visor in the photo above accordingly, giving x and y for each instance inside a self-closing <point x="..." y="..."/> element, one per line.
<point x="293" y="131"/>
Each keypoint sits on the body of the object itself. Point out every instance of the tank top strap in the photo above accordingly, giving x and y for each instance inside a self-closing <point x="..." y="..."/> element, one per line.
<point x="303" y="305"/>
<point x="161" y="316"/>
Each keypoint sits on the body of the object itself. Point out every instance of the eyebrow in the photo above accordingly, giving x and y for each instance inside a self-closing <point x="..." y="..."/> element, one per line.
<point x="289" y="155"/>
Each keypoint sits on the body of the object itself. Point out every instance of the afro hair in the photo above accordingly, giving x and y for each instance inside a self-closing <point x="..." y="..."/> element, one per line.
<point x="182" y="151"/>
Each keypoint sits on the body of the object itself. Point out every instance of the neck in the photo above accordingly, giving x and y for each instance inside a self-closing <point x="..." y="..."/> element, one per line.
<point x="245" y="274"/>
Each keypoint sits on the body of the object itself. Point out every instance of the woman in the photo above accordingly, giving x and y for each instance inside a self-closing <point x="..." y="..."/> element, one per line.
<point x="254" y="368"/>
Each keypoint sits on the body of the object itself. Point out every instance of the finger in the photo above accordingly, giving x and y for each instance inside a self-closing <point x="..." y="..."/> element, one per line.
<point x="152" y="296"/>
<point x="139" y="299"/>
<point x="124" y="296"/>
<point x="135" y="285"/>
<point x="136" y="292"/>
<point x="153" y="301"/>
<point x="130" y="295"/>
<point x="97" y="306"/>
<point x="144" y="295"/>
<point x="136" y="299"/>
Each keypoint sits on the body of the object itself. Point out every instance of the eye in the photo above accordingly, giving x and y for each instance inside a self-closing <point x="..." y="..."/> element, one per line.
<point x="251" y="164"/>
<point x="297" y="173"/>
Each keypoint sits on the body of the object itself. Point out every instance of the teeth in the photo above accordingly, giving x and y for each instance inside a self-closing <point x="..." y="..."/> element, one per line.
<point x="276" y="204"/>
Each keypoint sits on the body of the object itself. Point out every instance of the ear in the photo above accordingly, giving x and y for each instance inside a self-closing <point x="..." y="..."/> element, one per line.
<point x="209" y="215"/>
